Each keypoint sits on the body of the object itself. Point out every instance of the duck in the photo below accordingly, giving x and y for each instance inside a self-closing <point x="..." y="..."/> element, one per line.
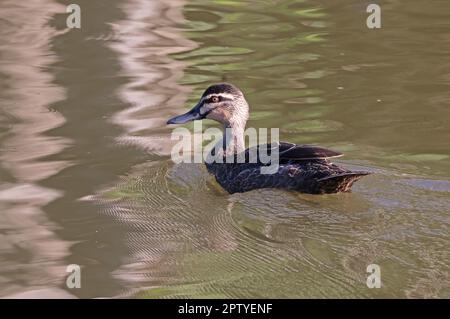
<point x="301" y="168"/>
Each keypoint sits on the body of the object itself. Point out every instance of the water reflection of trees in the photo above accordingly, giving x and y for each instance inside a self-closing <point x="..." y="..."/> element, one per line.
<point x="31" y="253"/>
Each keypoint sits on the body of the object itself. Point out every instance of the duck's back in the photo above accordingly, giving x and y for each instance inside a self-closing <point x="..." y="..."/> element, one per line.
<point x="302" y="168"/>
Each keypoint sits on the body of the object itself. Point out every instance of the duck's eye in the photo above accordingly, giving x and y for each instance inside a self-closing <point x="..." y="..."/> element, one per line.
<point x="215" y="99"/>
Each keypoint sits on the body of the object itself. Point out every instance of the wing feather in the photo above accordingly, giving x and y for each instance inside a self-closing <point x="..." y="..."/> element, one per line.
<point x="293" y="152"/>
<point x="305" y="152"/>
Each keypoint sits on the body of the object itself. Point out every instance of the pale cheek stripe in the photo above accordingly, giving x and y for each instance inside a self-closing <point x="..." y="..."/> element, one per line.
<point x="205" y="108"/>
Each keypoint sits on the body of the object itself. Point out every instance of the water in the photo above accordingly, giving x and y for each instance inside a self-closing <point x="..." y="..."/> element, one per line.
<point x="86" y="177"/>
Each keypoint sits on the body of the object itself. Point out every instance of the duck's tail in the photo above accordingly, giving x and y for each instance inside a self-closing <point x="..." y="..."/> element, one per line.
<point x="339" y="183"/>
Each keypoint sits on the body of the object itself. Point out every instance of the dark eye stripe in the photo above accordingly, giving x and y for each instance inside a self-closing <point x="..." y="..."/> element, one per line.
<point x="211" y="99"/>
<point x="221" y="98"/>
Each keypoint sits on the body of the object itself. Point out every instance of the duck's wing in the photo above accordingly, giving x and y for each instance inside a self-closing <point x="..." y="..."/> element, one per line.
<point x="292" y="152"/>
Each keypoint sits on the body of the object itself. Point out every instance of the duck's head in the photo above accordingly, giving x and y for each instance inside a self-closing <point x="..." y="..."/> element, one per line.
<point x="223" y="103"/>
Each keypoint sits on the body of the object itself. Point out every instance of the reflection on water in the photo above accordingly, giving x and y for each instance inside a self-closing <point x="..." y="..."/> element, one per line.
<point x="30" y="251"/>
<point x="143" y="41"/>
<point x="146" y="34"/>
<point x="140" y="226"/>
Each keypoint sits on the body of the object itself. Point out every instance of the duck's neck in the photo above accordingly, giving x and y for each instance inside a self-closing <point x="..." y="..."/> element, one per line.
<point x="233" y="138"/>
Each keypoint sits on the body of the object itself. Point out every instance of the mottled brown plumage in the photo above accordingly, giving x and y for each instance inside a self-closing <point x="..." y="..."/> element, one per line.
<point x="303" y="168"/>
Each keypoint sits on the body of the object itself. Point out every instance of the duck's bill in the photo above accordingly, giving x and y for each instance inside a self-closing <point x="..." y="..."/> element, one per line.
<point x="192" y="115"/>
